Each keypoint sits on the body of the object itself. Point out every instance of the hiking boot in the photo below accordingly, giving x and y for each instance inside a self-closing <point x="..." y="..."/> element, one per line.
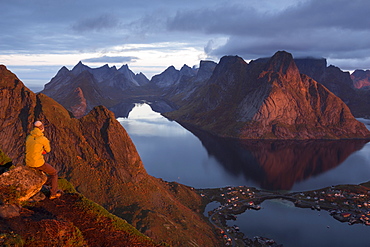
<point x="57" y="195"/>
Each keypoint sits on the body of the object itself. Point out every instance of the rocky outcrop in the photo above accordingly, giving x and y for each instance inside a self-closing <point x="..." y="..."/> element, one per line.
<point x="98" y="157"/>
<point x="361" y="78"/>
<point x="268" y="99"/>
<point x="25" y="182"/>
<point x="16" y="186"/>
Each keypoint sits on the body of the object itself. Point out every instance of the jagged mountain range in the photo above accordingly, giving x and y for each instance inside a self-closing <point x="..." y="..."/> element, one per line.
<point x="82" y="88"/>
<point x="98" y="157"/>
<point x="207" y="96"/>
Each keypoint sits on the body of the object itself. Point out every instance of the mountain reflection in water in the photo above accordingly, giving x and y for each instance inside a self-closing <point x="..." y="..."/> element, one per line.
<point x="198" y="159"/>
<point x="278" y="164"/>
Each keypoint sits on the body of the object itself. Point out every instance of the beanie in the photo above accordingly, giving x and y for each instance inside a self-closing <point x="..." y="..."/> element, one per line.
<point x="38" y="124"/>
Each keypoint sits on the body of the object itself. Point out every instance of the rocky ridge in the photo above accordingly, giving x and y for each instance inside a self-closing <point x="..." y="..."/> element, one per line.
<point x="97" y="156"/>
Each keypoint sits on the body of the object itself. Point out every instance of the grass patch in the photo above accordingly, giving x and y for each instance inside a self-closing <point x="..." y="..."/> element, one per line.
<point x="9" y="194"/>
<point x="101" y="215"/>
<point x="11" y="240"/>
<point x="66" y="186"/>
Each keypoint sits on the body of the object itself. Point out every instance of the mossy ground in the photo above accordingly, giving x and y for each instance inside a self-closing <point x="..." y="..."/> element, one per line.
<point x="71" y="220"/>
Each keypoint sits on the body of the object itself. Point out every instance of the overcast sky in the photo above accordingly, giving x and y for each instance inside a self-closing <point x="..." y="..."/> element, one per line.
<point x="39" y="36"/>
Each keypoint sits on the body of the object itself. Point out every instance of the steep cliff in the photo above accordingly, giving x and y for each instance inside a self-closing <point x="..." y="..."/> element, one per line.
<point x="97" y="156"/>
<point x="268" y="99"/>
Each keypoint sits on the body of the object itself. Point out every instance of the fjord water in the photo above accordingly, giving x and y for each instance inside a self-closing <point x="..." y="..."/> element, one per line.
<point x="173" y="153"/>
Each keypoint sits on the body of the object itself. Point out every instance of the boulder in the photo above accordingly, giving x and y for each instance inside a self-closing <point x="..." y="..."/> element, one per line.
<point x="20" y="184"/>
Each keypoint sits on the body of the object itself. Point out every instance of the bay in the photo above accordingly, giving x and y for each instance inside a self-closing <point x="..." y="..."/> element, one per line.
<point x="197" y="159"/>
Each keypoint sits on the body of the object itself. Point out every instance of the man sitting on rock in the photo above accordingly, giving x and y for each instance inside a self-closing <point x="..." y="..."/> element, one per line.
<point x="37" y="145"/>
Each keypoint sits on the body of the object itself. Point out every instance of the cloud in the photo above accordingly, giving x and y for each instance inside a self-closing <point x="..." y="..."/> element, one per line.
<point x="96" y="23"/>
<point x="338" y="30"/>
<point x="108" y="59"/>
<point x="331" y="28"/>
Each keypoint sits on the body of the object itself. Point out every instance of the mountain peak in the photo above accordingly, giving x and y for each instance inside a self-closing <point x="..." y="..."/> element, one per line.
<point x="205" y="70"/>
<point x="167" y="78"/>
<point x="124" y="67"/>
<point x="63" y="71"/>
<point x="79" y="68"/>
<point x="228" y="64"/>
<point x="231" y="60"/>
<point x="282" y="62"/>
<point x="187" y="71"/>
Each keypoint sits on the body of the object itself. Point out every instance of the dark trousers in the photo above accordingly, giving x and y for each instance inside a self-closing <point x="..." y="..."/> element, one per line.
<point x="53" y="176"/>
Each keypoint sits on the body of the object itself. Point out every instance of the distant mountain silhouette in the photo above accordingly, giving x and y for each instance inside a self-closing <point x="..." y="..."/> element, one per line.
<point x="83" y="88"/>
<point x="267" y="99"/>
<point x="98" y="157"/>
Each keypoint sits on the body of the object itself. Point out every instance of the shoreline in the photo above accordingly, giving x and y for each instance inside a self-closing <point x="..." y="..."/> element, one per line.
<point x="345" y="203"/>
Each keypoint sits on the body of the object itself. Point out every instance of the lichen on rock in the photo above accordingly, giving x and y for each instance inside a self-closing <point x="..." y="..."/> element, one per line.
<point x="20" y="184"/>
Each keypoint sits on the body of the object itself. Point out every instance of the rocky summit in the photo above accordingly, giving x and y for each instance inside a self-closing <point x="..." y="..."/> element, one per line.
<point x="268" y="99"/>
<point x="97" y="156"/>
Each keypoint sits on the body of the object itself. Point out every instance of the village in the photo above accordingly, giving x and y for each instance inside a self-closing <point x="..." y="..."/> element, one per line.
<point x="345" y="203"/>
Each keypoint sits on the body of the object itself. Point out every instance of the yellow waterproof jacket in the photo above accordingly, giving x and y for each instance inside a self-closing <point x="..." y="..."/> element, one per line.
<point x="36" y="144"/>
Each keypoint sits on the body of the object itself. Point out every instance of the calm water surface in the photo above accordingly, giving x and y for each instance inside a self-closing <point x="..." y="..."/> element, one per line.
<point x="173" y="153"/>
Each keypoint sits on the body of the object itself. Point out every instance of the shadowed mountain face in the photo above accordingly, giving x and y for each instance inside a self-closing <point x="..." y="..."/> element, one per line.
<point x="361" y="79"/>
<point x="342" y="84"/>
<point x="268" y="99"/>
<point x="277" y="164"/>
<point x="97" y="156"/>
